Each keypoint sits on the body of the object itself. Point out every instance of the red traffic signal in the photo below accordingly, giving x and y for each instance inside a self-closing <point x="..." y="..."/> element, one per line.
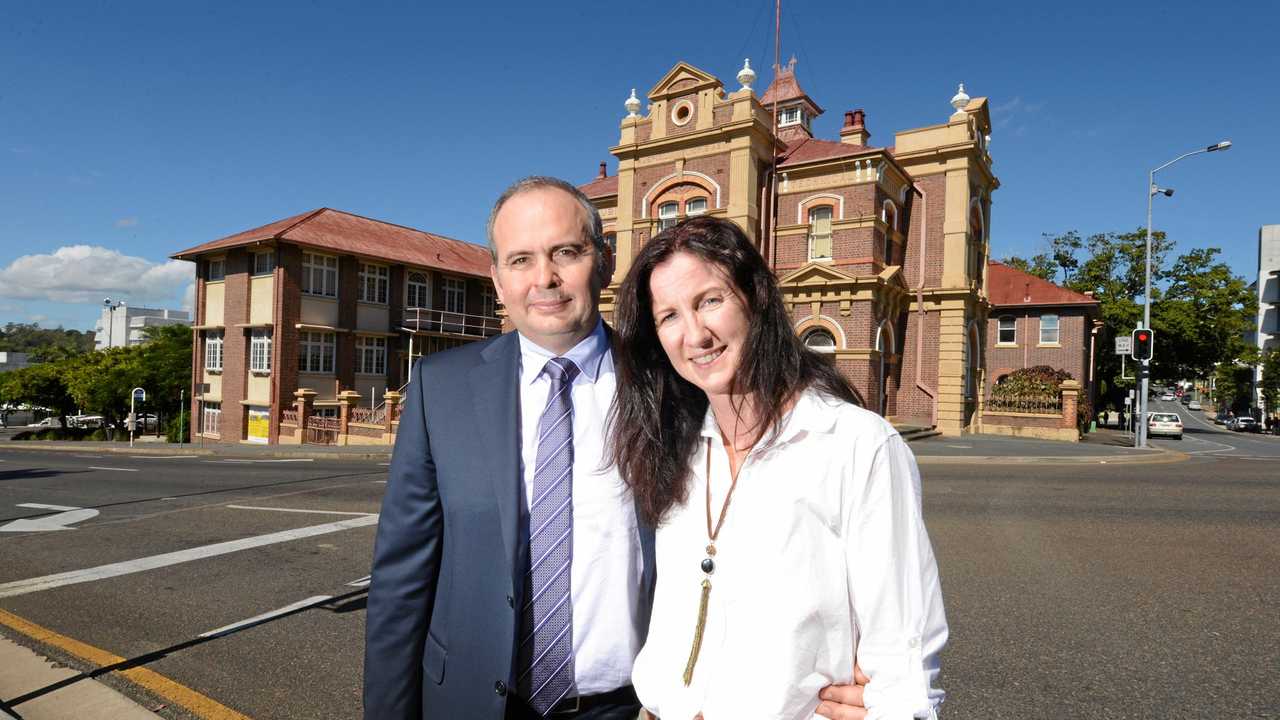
<point x="1144" y="341"/>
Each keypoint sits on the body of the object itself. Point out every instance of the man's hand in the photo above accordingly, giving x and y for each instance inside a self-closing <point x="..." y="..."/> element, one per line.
<point x="844" y="702"/>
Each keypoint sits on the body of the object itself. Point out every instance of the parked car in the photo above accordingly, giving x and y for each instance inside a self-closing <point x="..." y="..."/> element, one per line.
<point x="1221" y="418"/>
<point x="1244" y="423"/>
<point x="1193" y="405"/>
<point x="86" y="421"/>
<point x="1165" y="424"/>
<point x="49" y="422"/>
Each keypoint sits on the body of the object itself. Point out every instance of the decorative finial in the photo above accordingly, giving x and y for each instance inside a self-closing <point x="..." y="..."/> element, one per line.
<point x="746" y="75"/>
<point x="960" y="100"/>
<point x="633" y="105"/>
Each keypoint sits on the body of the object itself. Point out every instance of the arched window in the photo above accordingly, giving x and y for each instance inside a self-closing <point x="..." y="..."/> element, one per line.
<point x="820" y="340"/>
<point x="668" y="215"/>
<point x="820" y="233"/>
<point x="418" y="291"/>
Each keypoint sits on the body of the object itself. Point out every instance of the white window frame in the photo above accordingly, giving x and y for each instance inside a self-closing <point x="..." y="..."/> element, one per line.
<point x="215" y="270"/>
<point x="319" y="275"/>
<point x="455" y="295"/>
<point x="213" y="350"/>
<point x="668" y="215"/>
<point x="790" y="116"/>
<point x="210" y="418"/>
<point x="816" y="332"/>
<point x="1056" y="330"/>
<point x="260" y="350"/>
<point x="374" y="283"/>
<point x="489" y="301"/>
<point x="270" y="262"/>
<point x="316" y="351"/>
<point x="1012" y="328"/>
<point x="371" y="355"/>
<point x="691" y="213"/>
<point x="413" y="287"/>
<point x="814" y="237"/>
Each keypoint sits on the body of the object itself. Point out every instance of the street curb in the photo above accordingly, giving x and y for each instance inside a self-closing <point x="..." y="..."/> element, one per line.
<point x="1161" y="457"/>
<point x="40" y="446"/>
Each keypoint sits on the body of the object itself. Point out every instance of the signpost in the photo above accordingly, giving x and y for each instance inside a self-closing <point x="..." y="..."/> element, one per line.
<point x="138" y="395"/>
<point x="1124" y="344"/>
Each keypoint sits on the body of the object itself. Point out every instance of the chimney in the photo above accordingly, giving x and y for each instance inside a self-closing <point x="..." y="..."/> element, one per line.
<point x="855" y="130"/>
<point x="604" y="172"/>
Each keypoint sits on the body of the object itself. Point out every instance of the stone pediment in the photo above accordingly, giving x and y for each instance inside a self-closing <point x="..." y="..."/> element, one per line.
<point x="892" y="275"/>
<point x="816" y="273"/>
<point x="683" y="79"/>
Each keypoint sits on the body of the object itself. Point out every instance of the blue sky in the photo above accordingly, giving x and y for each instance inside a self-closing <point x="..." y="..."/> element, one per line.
<point x="130" y="130"/>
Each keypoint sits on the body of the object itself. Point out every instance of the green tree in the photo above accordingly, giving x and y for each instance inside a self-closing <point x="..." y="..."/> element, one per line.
<point x="42" y="385"/>
<point x="1233" y="385"/>
<point x="1201" y="318"/>
<point x="166" y="368"/>
<point x="1062" y="252"/>
<point x="1041" y="266"/>
<point x="31" y="338"/>
<point x="1270" y="383"/>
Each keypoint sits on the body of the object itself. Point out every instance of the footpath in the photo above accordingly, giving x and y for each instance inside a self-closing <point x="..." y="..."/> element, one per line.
<point x="24" y="670"/>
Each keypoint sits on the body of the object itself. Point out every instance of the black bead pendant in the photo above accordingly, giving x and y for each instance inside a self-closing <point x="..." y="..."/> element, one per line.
<point x="708" y="566"/>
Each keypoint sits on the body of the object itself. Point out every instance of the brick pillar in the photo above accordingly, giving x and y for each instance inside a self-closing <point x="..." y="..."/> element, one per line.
<point x="1070" y="399"/>
<point x="303" y="400"/>
<point x="347" y="399"/>
<point x="392" y="400"/>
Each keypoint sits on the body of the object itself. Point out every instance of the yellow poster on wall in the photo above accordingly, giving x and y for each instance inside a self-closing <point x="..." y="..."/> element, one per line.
<point x="259" y="425"/>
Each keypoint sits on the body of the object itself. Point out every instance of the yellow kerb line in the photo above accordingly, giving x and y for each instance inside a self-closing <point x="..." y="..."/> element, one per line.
<point x="201" y="705"/>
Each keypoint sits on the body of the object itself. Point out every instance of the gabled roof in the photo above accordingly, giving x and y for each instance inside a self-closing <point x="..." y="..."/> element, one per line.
<point x="332" y="230"/>
<point x="600" y="187"/>
<point x="812" y="149"/>
<point x="682" y="80"/>
<point x="785" y="88"/>
<point x="1010" y="287"/>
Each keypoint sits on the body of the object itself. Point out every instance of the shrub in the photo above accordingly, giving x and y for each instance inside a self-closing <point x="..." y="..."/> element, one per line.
<point x="172" y="430"/>
<point x="1038" y="381"/>
<point x="98" y="435"/>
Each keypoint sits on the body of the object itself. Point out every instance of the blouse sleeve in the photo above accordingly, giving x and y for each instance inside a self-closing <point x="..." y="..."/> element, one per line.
<point x="893" y="586"/>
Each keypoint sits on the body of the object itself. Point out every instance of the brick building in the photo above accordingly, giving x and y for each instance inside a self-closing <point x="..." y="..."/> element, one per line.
<point x="880" y="250"/>
<point x="329" y="303"/>
<point x="1035" y="322"/>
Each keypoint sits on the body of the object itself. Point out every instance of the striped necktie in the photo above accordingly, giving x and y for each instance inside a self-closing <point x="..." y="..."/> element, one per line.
<point x="546" y="647"/>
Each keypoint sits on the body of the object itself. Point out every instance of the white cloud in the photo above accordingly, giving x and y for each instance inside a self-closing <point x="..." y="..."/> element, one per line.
<point x="189" y="299"/>
<point x="127" y="222"/>
<point x="88" y="273"/>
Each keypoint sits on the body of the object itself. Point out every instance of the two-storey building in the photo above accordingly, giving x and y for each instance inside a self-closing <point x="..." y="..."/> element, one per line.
<point x="880" y="249"/>
<point x="329" y="302"/>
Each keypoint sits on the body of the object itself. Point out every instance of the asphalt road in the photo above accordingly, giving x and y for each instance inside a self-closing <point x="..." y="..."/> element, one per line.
<point x="1073" y="591"/>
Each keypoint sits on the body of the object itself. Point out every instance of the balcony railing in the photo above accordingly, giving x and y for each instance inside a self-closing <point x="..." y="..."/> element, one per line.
<point x="451" y="323"/>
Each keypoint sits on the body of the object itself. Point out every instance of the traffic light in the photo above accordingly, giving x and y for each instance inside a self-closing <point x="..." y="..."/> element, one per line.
<point x="1144" y="341"/>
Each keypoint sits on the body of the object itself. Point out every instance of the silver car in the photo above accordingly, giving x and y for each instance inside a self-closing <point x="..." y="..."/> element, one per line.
<point x="1165" y="425"/>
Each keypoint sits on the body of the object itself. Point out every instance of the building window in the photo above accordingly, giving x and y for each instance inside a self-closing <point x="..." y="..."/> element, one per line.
<point x="260" y="351"/>
<point x="820" y="340"/>
<point x="489" y="301"/>
<point x="1048" y="329"/>
<point x="211" y="418"/>
<point x="789" y="116"/>
<point x="611" y="240"/>
<point x="373" y="283"/>
<point x="1008" y="331"/>
<point x="264" y="263"/>
<point x="696" y="206"/>
<point x="419" y="291"/>
<point x="668" y="215"/>
<point x="371" y="355"/>
<point x="820" y="233"/>
<point x="889" y="214"/>
<point x="319" y="275"/>
<point x="213" y="351"/>
<point x="315" y="352"/>
<point x="455" y="295"/>
<point x="215" y="270"/>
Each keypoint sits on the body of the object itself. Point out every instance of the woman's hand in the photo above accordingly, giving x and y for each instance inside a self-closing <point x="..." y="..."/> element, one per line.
<point x="844" y="702"/>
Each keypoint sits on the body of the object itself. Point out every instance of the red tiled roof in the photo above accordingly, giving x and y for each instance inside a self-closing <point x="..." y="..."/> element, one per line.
<point x="600" y="187"/>
<point x="812" y="149"/>
<point x="785" y="87"/>
<point x="344" y="232"/>
<point x="1008" y="286"/>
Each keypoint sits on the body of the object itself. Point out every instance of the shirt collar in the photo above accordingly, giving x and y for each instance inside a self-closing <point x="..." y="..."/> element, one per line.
<point x="813" y="412"/>
<point x="589" y="355"/>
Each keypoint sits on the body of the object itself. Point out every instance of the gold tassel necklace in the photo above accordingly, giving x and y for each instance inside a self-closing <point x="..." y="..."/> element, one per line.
<point x="708" y="565"/>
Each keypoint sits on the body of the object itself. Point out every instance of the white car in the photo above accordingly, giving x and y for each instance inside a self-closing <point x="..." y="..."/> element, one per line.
<point x="1193" y="405"/>
<point x="1165" y="424"/>
<point x="49" y="422"/>
<point x="1167" y="397"/>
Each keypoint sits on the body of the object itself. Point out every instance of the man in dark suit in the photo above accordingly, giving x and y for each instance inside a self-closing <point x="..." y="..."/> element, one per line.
<point x="511" y="578"/>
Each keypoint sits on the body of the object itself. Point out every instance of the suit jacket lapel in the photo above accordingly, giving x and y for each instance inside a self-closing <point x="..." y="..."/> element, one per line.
<point x="494" y="386"/>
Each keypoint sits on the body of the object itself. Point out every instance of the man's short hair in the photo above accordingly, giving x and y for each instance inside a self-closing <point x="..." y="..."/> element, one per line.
<point x="592" y="226"/>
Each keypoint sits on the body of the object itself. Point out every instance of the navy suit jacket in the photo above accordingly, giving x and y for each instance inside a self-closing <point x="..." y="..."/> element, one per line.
<point x="449" y="559"/>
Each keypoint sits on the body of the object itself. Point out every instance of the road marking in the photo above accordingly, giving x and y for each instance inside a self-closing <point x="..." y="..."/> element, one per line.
<point x="113" y="469"/>
<point x="158" y="457"/>
<point x="235" y="461"/>
<point x="362" y="582"/>
<point x="384" y="464"/>
<point x="298" y="510"/>
<point x="102" y="572"/>
<point x="259" y="619"/>
<point x="88" y="456"/>
<point x="202" y="706"/>
<point x="60" y="521"/>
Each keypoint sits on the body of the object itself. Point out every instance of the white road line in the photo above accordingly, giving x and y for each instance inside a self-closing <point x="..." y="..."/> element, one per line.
<point x="362" y="582"/>
<point x="235" y="461"/>
<point x="158" y="457"/>
<point x="102" y="572"/>
<point x="298" y="510"/>
<point x="258" y="619"/>
<point x="95" y="467"/>
<point x="88" y="456"/>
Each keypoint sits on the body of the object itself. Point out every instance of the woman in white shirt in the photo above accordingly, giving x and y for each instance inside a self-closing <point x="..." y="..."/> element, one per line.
<point x="790" y="537"/>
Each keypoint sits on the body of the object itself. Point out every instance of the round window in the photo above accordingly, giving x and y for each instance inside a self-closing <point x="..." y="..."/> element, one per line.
<point x="682" y="112"/>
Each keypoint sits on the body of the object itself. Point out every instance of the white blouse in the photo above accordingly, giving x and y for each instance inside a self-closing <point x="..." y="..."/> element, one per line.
<point x="823" y="556"/>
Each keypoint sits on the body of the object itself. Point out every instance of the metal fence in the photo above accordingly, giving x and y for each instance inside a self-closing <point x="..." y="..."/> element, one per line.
<point x="1034" y="405"/>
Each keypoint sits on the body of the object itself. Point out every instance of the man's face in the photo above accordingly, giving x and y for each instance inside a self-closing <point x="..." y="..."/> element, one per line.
<point x="547" y="272"/>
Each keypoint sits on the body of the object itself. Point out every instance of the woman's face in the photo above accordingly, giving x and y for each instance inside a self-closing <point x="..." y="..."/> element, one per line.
<point x="701" y="320"/>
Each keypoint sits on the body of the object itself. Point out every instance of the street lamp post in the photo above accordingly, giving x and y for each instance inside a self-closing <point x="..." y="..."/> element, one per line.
<point x="1140" y="437"/>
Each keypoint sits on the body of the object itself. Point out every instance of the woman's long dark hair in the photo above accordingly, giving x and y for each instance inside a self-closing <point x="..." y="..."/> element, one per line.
<point x="658" y="415"/>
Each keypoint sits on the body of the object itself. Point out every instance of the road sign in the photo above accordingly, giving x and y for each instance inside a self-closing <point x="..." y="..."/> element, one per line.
<point x="139" y="395"/>
<point x="1124" y="345"/>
